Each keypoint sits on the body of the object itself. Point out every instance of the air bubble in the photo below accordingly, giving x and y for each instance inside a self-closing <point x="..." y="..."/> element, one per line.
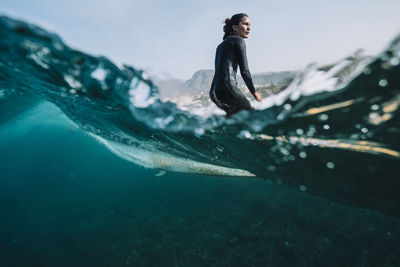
<point x="145" y="76"/>
<point x="272" y="168"/>
<point x="302" y="188"/>
<point x="220" y="148"/>
<point x="394" y="61"/>
<point x="330" y="165"/>
<point x="323" y="117"/>
<point x="373" y="115"/>
<point x="364" y="130"/>
<point x="287" y="106"/>
<point x="280" y="117"/>
<point x="198" y="132"/>
<point x="375" y="107"/>
<point x="354" y="136"/>
<point x="367" y="71"/>
<point x="244" y="134"/>
<point x="300" y="131"/>
<point x="326" y="127"/>
<point x="284" y="151"/>
<point x="302" y="154"/>
<point x="383" y="83"/>
<point x="160" y="173"/>
<point x="311" y="130"/>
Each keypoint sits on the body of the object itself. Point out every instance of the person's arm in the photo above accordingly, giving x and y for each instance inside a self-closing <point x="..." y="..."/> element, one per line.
<point x="244" y="68"/>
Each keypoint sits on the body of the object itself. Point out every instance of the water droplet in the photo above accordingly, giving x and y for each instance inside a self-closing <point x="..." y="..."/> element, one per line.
<point x="300" y="131"/>
<point x="364" y="130"/>
<point x="383" y="83"/>
<point x="303" y="154"/>
<point x="330" y="165"/>
<point x="302" y="188"/>
<point x="326" y="127"/>
<point x="323" y="117"/>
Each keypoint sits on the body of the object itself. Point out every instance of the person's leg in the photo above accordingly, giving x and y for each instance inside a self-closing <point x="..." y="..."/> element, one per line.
<point x="222" y="100"/>
<point x="229" y="102"/>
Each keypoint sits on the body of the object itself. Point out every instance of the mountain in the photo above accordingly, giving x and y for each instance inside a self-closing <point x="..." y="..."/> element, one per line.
<point x="200" y="83"/>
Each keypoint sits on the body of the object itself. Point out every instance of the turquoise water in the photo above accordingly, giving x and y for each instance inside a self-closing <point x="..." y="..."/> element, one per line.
<point x="65" y="200"/>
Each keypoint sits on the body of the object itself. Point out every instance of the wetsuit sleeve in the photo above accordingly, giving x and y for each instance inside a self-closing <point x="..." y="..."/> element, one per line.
<point x="244" y="68"/>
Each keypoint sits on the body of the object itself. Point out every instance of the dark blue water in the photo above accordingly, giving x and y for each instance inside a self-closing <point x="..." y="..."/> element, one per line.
<point x="65" y="200"/>
<point x="74" y="192"/>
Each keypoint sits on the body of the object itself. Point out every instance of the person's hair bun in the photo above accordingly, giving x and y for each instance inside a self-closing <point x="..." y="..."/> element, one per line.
<point x="227" y="20"/>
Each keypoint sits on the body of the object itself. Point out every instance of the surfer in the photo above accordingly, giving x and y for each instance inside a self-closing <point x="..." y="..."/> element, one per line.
<point x="230" y="54"/>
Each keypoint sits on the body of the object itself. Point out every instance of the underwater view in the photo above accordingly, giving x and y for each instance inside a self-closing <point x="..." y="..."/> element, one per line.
<point x="104" y="165"/>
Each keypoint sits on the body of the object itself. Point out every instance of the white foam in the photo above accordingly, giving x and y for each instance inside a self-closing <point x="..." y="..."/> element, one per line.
<point x="99" y="74"/>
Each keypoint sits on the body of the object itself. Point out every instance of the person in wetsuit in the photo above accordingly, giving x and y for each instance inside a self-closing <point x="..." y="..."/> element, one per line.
<point x="230" y="54"/>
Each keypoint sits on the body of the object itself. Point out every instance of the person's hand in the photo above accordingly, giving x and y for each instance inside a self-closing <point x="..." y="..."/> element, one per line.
<point x="257" y="97"/>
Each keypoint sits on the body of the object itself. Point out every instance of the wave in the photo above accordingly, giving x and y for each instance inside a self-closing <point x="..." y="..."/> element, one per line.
<point x="332" y="132"/>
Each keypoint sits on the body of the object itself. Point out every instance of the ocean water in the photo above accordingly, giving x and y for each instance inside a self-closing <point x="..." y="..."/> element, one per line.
<point x="97" y="171"/>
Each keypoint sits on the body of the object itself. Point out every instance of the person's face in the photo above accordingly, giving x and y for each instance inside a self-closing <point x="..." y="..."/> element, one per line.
<point x="243" y="29"/>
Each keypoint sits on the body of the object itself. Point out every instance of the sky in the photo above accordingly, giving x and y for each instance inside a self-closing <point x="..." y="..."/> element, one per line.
<point x="178" y="37"/>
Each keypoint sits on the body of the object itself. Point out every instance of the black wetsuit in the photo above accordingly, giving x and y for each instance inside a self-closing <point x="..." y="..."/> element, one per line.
<point x="224" y="91"/>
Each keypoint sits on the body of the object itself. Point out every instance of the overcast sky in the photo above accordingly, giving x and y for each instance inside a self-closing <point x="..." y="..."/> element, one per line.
<point x="178" y="37"/>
